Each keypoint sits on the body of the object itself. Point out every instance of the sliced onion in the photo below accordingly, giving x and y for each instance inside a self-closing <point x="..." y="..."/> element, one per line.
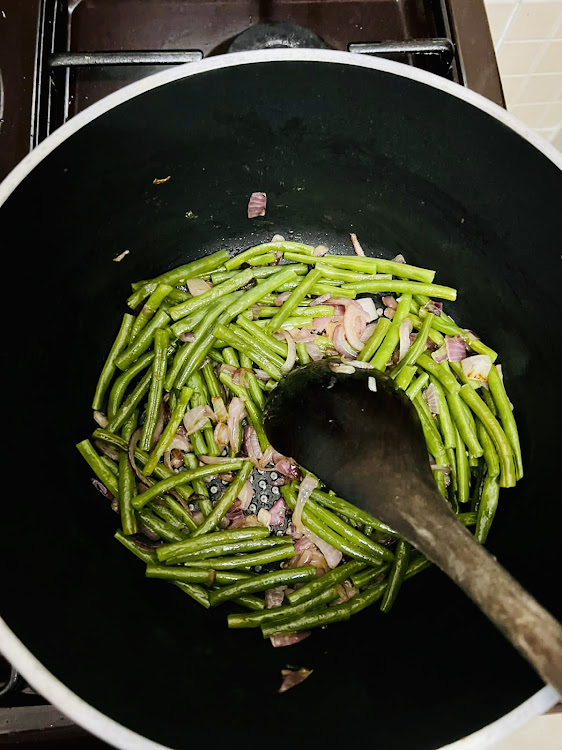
<point x="257" y="205"/>
<point x="372" y="384"/>
<point x="219" y="408"/>
<point x="390" y="301"/>
<point x="214" y="459"/>
<point x="281" y="298"/>
<point x="221" y="434"/>
<point x="291" y="351"/>
<point x="477" y="367"/>
<point x="353" y="313"/>
<point x="236" y="413"/>
<point x="399" y="258"/>
<point x="440" y="355"/>
<point x="246" y="494"/>
<point x="266" y="458"/>
<point x="251" y="444"/>
<point x="101" y="488"/>
<point x="436" y="308"/>
<point x="303" y="334"/>
<point x="239" y="377"/>
<point x="368" y="305"/>
<point x="313" y="351"/>
<point x="288" y="468"/>
<point x="321" y="299"/>
<point x="368" y="332"/>
<point x="188" y="336"/>
<point x="108" y="450"/>
<point x="278" y="511"/>
<point x="443" y="469"/>
<point x="264" y="517"/>
<point x="404" y="332"/>
<point x="195" y="419"/>
<point x="278" y="238"/>
<point x="430" y="395"/>
<point x="333" y="556"/>
<point x="133" y="442"/>
<point x="288" y="639"/>
<point x="261" y="374"/>
<point x="341" y="344"/>
<point x="456" y="348"/>
<point x="356" y="245"/>
<point x="389" y="313"/>
<point x="342" y="368"/>
<point x="308" y="484"/>
<point x="197" y="287"/>
<point x="320" y="250"/>
<point x="228" y="369"/>
<point x="274" y="597"/>
<point x="357" y="364"/>
<point x="100" y="418"/>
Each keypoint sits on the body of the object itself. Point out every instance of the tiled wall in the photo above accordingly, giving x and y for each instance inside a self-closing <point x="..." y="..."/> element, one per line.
<point x="527" y="38"/>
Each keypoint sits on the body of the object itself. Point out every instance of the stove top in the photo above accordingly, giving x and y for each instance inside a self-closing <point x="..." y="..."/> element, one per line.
<point x="59" y="56"/>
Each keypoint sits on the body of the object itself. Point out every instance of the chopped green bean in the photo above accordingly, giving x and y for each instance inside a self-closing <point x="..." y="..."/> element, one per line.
<point x="507" y="419"/>
<point x="262" y="582"/>
<point x="161" y="339"/>
<point x="109" y="367"/>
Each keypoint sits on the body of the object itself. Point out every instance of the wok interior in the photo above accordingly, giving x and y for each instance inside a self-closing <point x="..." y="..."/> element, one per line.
<point x="337" y="149"/>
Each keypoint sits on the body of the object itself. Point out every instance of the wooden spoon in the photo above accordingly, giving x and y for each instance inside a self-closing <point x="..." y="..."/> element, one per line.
<point x="368" y="446"/>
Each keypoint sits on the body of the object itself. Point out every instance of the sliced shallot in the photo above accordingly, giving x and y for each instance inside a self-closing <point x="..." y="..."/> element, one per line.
<point x="368" y="305"/>
<point x="341" y="345"/>
<point x="197" y="287"/>
<point x="308" y="484"/>
<point x="356" y="245"/>
<point x="195" y="419"/>
<point x="477" y="367"/>
<point x="257" y="205"/>
<point x="430" y="395"/>
<point x="236" y="413"/>
<point x="291" y="350"/>
<point x="313" y="351"/>
<point x="404" y="333"/>
<point x="320" y="250"/>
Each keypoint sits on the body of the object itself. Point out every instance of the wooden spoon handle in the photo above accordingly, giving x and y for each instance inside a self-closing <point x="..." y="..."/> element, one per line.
<point x="447" y="543"/>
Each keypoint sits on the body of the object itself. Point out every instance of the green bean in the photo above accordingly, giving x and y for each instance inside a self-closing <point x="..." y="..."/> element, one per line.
<point x="402" y="287"/>
<point x="467" y="519"/>
<point x="369" y="265"/>
<point x="262" y="582"/>
<point x="302" y="353"/>
<point x="490" y="454"/>
<point x="369" y="596"/>
<point x="265" y="339"/>
<point x="404" y="377"/>
<point x="232" y="339"/>
<point x="186" y="575"/>
<point x="325" y="288"/>
<point x="201" y="320"/>
<point x="127" y="481"/>
<point x="456" y="367"/>
<point x="158" y="526"/>
<point x="230" y="356"/>
<point x="260" y="272"/>
<point x="122" y="382"/>
<point x="296" y="297"/>
<point x="233" y="547"/>
<point x="249" y="560"/>
<point x="183" y="477"/>
<point x="95" y="463"/>
<point x="254" y="413"/>
<point x="279" y="614"/>
<point x="149" y="308"/>
<point x="434" y="442"/>
<point x="195" y="591"/>
<point x="416" y="387"/>
<point x="227" y="499"/>
<point x="199" y="485"/>
<point x="178" y="276"/>
<point x="463" y="471"/>
<point x="256" y="346"/>
<point x="369" y="575"/>
<point x="303" y="311"/>
<point x="142" y="341"/>
<point x="445" y="419"/>
<point x="161" y="471"/>
<point x="171" y="553"/>
<point x="252" y="296"/>
<point x="169" y="431"/>
<point x="344" y="508"/>
<point x="254" y="389"/>
<point x="110" y="464"/>
<point x="507" y="419"/>
<point x="505" y="455"/>
<point x="130" y="403"/>
<point x="226" y="577"/>
<point x="201" y="397"/>
<point x="487" y="508"/>
<point x="396" y="575"/>
<point x="231" y="285"/>
<point x="375" y="340"/>
<point x="213" y="385"/>
<point x="267" y="247"/>
<point x="195" y="356"/>
<point x="109" y="367"/>
<point x="147" y="557"/>
<point x="161" y="339"/>
<point x="445" y="325"/>
<point x="417" y="348"/>
<point x="441" y="373"/>
<point x="465" y="423"/>
<point x="354" y="536"/>
<point x="309" y="620"/>
<point x="251" y="602"/>
<point x="385" y="350"/>
<point x="341" y="275"/>
<point x="312" y="522"/>
<point x="162" y="510"/>
<point x="319" y="584"/>
<point x="262" y="260"/>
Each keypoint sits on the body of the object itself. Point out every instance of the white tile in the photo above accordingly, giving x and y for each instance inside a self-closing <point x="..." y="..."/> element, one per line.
<point x="545" y="87"/>
<point x="530" y="114"/>
<point x="512" y="88"/>
<point x="519" y="58"/>
<point x="537" y="20"/>
<point x="553" y="116"/>
<point x="557" y="140"/>
<point x="546" y="133"/>
<point x="498" y="16"/>
<point x="551" y="58"/>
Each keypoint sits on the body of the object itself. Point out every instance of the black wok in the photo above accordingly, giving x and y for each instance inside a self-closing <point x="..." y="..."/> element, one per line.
<point x="410" y="163"/>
